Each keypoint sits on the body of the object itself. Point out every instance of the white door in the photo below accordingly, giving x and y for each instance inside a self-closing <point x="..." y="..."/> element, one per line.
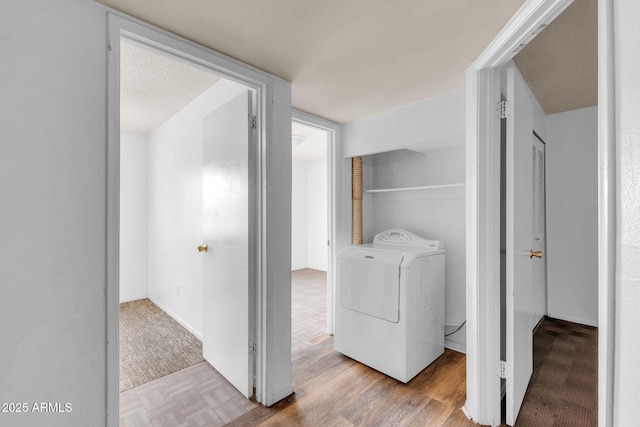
<point x="519" y="358"/>
<point x="538" y="227"/>
<point x="227" y="273"/>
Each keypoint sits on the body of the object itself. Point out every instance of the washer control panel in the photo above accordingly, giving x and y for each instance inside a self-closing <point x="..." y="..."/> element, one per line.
<point x="394" y="236"/>
<point x="397" y="236"/>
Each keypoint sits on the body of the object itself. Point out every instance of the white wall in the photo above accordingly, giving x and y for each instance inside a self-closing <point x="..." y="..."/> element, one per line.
<point x="317" y="250"/>
<point x="309" y="215"/>
<point x="134" y="259"/>
<point x="175" y="207"/>
<point x="53" y="210"/>
<point x="432" y="124"/>
<point x="299" y="216"/>
<point x="627" y="296"/>
<point x="572" y="215"/>
<point x="53" y="218"/>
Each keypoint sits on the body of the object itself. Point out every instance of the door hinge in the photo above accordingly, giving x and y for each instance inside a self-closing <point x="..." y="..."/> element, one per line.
<point x="252" y="347"/>
<point x="253" y="122"/>
<point x="501" y="369"/>
<point x="504" y="109"/>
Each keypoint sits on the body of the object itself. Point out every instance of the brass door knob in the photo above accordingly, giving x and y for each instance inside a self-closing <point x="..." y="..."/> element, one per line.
<point x="203" y="248"/>
<point x="537" y="254"/>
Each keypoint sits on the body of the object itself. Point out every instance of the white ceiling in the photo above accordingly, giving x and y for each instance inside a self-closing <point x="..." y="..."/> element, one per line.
<point x="353" y="59"/>
<point x="346" y="59"/>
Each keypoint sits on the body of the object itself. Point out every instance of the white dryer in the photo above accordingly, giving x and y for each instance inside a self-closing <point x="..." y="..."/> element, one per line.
<point x="390" y="303"/>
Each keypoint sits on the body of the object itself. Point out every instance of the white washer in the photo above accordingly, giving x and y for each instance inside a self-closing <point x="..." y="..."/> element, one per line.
<point x="390" y="308"/>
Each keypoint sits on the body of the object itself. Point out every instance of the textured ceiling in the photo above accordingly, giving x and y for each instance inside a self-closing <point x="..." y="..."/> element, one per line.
<point x="346" y="59"/>
<point x="154" y="87"/>
<point x="561" y="63"/>
<point x="352" y="59"/>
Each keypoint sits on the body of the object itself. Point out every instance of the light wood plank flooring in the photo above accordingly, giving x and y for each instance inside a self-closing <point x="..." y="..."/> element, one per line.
<point x="308" y="307"/>
<point x="333" y="390"/>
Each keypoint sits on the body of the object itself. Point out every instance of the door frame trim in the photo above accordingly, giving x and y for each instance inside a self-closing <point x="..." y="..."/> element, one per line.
<point x="483" y="206"/>
<point x="272" y="369"/>
<point x="334" y="199"/>
<point x="606" y="212"/>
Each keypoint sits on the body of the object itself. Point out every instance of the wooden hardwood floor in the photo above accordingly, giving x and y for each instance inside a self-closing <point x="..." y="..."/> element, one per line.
<point x="333" y="390"/>
<point x="308" y="307"/>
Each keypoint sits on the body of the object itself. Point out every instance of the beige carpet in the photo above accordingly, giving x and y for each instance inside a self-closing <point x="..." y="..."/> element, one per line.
<point x="152" y="344"/>
<point x="563" y="390"/>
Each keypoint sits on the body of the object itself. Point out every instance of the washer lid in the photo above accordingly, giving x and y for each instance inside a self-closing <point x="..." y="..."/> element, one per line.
<point x="369" y="282"/>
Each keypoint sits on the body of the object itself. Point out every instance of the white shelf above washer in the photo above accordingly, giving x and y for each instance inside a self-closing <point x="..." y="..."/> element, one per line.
<point x="421" y="188"/>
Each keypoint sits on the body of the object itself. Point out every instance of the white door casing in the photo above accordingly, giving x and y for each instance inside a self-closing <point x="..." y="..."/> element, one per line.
<point x="519" y="356"/>
<point x="227" y="330"/>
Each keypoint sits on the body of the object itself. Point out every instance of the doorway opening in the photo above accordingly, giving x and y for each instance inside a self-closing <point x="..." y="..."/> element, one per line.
<point x="539" y="271"/>
<point x="310" y="219"/>
<point x="484" y="107"/>
<point x="549" y="144"/>
<point x="187" y="237"/>
<point x="268" y="308"/>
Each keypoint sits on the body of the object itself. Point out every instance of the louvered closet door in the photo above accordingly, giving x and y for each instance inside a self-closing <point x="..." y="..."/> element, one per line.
<point x="538" y="229"/>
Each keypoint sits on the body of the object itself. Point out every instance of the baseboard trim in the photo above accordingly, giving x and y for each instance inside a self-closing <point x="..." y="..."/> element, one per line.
<point x="572" y="319"/>
<point x="277" y="397"/>
<point x="452" y="345"/>
<point x="134" y="298"/>
<point x="466" y="412"/>
<point x="177" y="318"/>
